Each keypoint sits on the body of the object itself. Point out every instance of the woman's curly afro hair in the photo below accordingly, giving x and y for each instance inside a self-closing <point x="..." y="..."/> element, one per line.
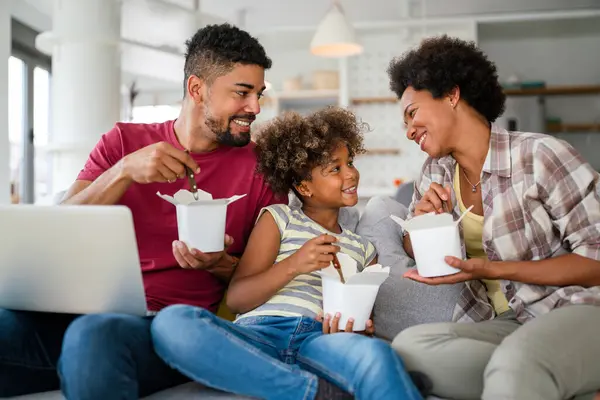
<point x="440" y="64"/>
<point x="291" y="145"/>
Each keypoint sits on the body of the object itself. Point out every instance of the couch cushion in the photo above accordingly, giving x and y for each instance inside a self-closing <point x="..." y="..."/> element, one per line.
<point x="401" y="303"/>
<point x="193" y="391"/>
<point x="189" y="391"/>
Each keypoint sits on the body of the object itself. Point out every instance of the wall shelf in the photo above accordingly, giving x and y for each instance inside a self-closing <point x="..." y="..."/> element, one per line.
<point x="382" y="152"/>
<point x="301" y="100"/>
<point x="564" y="128"/>
<point x="307" y="94"/>
<point x="554" y="91"/>
<point x="547" y="91"/>
<point x="372" y="100"/>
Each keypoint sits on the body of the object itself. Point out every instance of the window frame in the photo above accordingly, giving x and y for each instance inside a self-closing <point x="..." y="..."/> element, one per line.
<point x="23" y="47"/>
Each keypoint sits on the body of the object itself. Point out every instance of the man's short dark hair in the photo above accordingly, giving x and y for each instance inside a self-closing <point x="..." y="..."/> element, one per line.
<point x="215" y="49"/>
<point x="442" y="63"/>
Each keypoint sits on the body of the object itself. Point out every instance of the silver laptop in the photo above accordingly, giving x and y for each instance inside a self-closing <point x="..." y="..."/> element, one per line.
<point x="70" y="259"/>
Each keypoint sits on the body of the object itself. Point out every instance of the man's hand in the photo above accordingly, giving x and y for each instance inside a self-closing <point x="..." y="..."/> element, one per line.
<point x="332" y="325"/>
<point x="195" y="259"/>
<point x="160" y="162"/>
<point x="472" y="269"/>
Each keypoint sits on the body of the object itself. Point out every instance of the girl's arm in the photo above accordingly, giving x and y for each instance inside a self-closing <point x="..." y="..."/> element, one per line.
<point x="408" y="246"/>
<point x="255" y="280"/>
<point x="257" y="277"/>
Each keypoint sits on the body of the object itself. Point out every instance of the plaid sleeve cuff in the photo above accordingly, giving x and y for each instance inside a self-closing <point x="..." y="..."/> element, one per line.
<point x="589" y="251"/>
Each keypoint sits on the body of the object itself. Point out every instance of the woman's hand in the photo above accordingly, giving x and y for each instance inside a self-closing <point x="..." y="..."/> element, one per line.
<point x="437" y="199"/>
<point x="332" y="325"/>
<point x="471" y="269"/>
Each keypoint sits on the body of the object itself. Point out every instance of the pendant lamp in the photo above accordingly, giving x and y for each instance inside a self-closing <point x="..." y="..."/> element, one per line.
<point x="335" y="36"/>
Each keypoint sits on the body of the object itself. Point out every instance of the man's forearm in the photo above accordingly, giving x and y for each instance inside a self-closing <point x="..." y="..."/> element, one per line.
<point x="106" y="190"/>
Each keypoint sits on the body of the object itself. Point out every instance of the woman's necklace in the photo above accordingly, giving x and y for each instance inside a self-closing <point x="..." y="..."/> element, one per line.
<point x="473" y="187"/>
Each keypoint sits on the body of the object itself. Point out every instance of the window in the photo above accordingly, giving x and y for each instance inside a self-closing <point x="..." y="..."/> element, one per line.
<point x="41" y="110"/>
<point x="41" y="105"/>
<point x="150" y="114"/>
<point x="21" y="71"/>
<point x="16" y="119"/>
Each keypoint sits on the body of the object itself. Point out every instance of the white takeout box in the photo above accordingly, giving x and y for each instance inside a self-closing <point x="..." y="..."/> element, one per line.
<point x="201" y="223"/>
<point x="433" y="237"/>
<point x="356" y="298"/>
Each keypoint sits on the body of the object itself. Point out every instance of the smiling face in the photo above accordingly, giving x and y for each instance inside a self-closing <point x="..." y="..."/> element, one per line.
<point x="430" y="121"/>
<point x="335" y="184"/>
<point x="231" y="104"/>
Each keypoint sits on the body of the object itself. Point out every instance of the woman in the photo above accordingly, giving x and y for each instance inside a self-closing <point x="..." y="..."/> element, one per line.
<point x="532" y="239"/>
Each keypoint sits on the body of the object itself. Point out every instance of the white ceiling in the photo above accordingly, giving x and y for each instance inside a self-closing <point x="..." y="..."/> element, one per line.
<point x="157" y="29"/>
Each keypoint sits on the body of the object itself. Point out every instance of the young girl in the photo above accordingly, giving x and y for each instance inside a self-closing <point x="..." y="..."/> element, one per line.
<point x="277" y="349"/>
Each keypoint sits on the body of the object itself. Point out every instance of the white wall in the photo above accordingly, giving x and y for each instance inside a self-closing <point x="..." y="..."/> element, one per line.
<point x="5" y="45"/>
<point x="560" y="53"/>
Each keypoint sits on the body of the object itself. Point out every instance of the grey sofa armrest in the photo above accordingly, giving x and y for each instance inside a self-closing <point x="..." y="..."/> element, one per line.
<point x="401" y="303"/>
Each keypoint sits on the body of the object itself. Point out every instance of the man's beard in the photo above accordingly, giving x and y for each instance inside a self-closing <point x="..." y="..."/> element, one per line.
<point x="224" y="136"/>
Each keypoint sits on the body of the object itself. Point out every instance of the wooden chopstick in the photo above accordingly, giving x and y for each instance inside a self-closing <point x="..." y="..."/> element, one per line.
<point x="191" y="180"/>
<point x="338" y="268"/>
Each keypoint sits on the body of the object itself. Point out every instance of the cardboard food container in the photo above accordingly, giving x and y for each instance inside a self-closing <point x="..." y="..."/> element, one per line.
<point x="201" y="223"/>
<point x="433" y="237"/>
<point x="355" y="298"/>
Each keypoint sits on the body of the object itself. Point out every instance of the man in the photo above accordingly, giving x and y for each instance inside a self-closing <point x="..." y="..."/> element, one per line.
<point x="110" y="356"/>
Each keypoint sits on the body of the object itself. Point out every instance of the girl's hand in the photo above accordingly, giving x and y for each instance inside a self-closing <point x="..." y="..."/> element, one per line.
<point x="332" y="325"/>
<point x="314" y="255"/>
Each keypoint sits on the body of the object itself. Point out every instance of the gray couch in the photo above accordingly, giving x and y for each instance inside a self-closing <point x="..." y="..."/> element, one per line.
<point x="401" y="303"/>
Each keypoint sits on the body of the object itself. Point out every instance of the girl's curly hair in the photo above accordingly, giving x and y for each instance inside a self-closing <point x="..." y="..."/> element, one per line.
<point x="291" y="145"/>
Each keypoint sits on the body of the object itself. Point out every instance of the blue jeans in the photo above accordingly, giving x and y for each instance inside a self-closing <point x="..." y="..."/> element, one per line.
<point x="30" y="345"/>
<point x="277" y="357"/>
<point x="104" y="356"/>
<point x="110" y="356"/>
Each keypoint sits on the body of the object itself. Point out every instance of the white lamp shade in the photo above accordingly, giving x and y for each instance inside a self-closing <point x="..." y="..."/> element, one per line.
<point x="334" y="36"/>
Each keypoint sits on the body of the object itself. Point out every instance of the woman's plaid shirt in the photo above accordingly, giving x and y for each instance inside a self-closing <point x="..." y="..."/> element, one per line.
<point x="540" y="200"/>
